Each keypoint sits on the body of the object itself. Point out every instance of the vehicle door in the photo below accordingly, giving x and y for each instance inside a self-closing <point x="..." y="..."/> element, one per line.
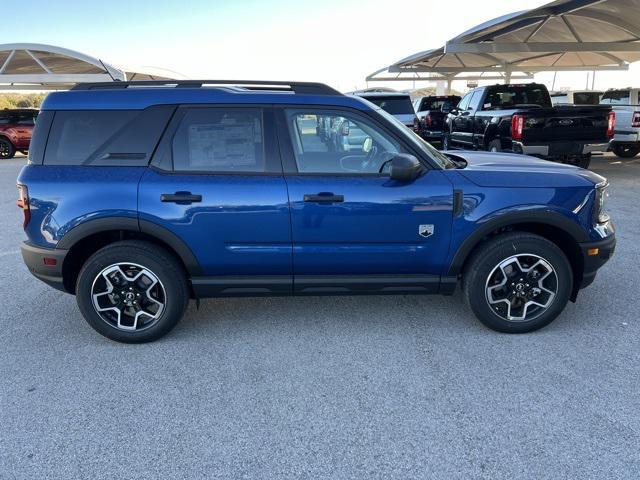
<point x="217" y="184"/>
<point x="352" y="225"/>
<point x="460" y="126"/>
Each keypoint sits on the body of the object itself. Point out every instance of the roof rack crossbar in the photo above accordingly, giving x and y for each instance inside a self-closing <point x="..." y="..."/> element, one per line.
<point x="311" y="88"/>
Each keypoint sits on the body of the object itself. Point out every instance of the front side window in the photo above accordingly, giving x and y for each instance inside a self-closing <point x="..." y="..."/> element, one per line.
<point x="338" y="142"/>
<point x="464" y="103"/>
<point x="220" y="140"/>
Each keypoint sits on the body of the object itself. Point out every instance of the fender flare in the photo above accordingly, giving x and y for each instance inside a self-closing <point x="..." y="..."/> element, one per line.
<point x="91" y="227"/>
<point x="542" y="217"/>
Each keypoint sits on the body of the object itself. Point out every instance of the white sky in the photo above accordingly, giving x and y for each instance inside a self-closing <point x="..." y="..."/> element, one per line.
<point x="338" y="42"/>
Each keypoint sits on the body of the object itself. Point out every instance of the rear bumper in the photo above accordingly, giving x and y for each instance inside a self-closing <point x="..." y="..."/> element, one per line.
<point x="34" y="258"/>
<point x="431" y="135"/>
<point x="560" y="148"/>
<point x="626" y="136"/>
<point x="592" y="263"/>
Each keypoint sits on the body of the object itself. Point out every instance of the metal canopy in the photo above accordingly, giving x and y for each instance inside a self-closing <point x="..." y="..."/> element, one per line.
<point x="565" y="35"/>
<point x="33" y="66"/>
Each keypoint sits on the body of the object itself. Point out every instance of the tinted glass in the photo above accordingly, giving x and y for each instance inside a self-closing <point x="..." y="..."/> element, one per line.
<point x="617" y="97"/>
<point x="395" y="105"/>
<point x="338" y="142"/>
<point x="586" y="98"/>
<point x="76" y="135"/>
<point x="511" y="96"/>
<point x="437" y="103"/>
<point x="220" y="140"/>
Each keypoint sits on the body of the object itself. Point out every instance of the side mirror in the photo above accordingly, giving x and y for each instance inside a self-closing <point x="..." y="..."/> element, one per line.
<point x="404" y="168"/>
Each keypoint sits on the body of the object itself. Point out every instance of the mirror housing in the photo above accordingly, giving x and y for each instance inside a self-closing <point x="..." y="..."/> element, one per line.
<point x="404" y="168"/>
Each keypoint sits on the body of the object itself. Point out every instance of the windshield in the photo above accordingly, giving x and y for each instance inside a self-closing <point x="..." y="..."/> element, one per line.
<point x="395" y="105"/>
<point x="510" y="96"/>
<point x="440" y="158"/>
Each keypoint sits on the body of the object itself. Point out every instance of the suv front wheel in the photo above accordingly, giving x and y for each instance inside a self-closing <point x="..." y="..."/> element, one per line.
<point x="132" y="291"/>
<point x="517" y="282"/>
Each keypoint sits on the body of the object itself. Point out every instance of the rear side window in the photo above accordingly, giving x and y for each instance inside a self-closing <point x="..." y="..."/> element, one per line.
<point x="220" y="140"/>
<point x="75" y="135"/>
<point x="105" y="137"/>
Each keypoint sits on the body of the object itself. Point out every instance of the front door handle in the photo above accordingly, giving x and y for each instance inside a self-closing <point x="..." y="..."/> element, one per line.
<point x="323" y="197"/>
<point x="181" y="198"/>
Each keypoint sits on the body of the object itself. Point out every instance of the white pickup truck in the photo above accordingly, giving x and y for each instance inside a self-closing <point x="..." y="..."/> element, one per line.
<point x="624" y="101"/>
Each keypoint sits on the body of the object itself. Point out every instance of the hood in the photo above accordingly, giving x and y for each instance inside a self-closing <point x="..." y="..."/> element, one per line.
<point x="514" y="170"/>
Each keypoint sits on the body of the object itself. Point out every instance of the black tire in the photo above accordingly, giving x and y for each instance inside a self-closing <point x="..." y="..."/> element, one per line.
<point x="583" y="162"/>
<point x="501" y="249"/>
<point x="172" y="282"/>
<point x="7" y="150"/>
<point x="446" y="141"/>
<point x="625" y="151"/>
<point x="494" y="146"/>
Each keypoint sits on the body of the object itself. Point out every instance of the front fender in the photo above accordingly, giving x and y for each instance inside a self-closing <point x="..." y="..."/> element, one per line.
<point x="536" y="214"/>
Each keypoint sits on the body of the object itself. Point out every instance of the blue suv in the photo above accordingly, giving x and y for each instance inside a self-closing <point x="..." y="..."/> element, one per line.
<point x="140" y="196"/>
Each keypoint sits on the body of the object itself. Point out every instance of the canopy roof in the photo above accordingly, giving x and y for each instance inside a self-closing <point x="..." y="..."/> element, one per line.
<point x="565" y="35"/>
<point x="25" y="66"/>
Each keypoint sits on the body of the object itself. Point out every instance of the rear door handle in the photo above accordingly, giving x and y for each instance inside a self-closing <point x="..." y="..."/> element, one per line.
<point x="181" y="198"/>
<point x="323" y="197"/>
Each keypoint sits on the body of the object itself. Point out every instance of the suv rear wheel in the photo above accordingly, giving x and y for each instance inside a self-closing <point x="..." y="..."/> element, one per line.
<point x="132" y="291"/>
<point x="517" y="282"/>
<point x="7" y="150"/>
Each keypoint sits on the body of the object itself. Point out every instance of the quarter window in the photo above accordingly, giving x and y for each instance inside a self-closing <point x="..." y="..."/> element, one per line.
<point x="220" y="140"/>
<point x="335" y="142"/>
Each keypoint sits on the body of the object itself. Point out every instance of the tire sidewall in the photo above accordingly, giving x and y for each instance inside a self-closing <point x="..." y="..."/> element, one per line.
<point x="173" y="282"/>
<point x="491" y="257"/>
<point x="12" y="150"/>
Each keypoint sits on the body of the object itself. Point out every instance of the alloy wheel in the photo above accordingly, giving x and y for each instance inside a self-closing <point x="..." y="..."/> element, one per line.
<point x="521" y="287"/>
<point x="128" y="296"/>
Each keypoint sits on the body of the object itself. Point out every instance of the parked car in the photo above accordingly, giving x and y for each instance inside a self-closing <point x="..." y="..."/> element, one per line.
<point x="431" y="113"/>
<point x="521" y="119"/>
<point x="576" y="97"/>
<point x="16" y="126"/>
<point x="625" y="103"/>
<point x="137" y="199"/>
<point x="397" y="104"/>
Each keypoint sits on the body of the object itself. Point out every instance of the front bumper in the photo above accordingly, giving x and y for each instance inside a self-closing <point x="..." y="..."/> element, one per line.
<point x="560" y="149"/>
<point x="593" y="261"/>
<point x="50" y="273"/>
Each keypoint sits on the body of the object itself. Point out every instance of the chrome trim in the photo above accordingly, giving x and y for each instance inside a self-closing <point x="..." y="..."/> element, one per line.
<point x="582" y="204"/>
<point x="595" y="147"/>
<point x="533" y="149"/>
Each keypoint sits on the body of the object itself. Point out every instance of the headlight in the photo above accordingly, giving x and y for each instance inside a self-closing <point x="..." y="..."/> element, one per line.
<point x="602" y="194"/>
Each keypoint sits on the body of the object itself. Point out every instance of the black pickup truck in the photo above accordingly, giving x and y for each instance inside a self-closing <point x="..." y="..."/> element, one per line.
<point x="431" y="112"/>
<point x="521" y="119"/>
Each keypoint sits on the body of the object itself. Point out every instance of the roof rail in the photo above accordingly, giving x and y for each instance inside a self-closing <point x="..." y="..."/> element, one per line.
<point x="312" y="88"/>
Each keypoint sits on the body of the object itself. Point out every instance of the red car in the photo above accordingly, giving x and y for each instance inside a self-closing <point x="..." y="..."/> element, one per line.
<point x="16" y="126"/>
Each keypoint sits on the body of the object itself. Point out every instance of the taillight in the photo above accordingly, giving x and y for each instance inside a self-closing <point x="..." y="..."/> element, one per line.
<point x="428" y="121"/>
<point x="23" y="203"/>
<point x="416" y="125"/>
<point x="635" y="122"/>
<point x="517" y="126"/>
<point x="611" y="123"/>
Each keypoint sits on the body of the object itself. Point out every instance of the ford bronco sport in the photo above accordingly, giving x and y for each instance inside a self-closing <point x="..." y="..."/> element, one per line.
<point x="140" y="196"/>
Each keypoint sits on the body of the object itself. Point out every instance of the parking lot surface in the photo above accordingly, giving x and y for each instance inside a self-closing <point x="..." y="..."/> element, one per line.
<point x="329" y="387"/>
